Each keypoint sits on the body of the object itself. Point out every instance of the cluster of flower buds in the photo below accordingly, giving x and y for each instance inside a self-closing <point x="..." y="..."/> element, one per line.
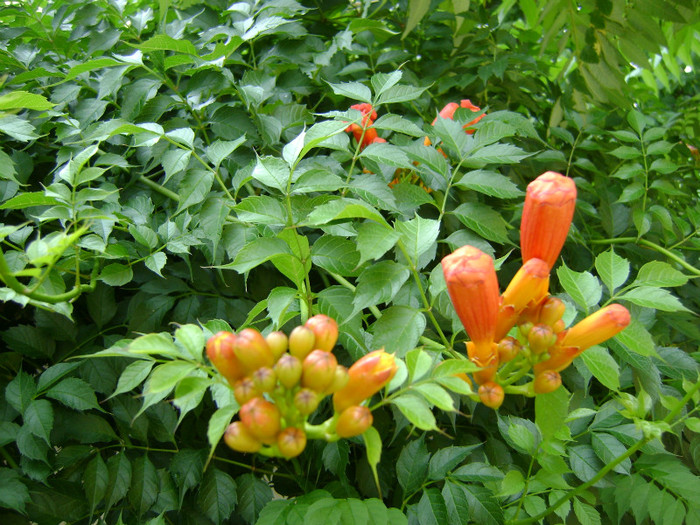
<point x="279" y="381"/>
<point x="543" y="343"/>
<point x="364" y="133"/>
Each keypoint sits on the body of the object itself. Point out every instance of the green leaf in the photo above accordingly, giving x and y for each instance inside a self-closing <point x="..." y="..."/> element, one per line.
<point x="400" y="93"/>
<point x="603" y="367"/>
<point x="217" y="495"/>
<point x="446" y="459"/>
<point x="156" y="262"/>
<point x="27" y="200"/>
<point x="436" y="395"/>
<point x="412" y="466"/>
<point x="119" y="468"/>
<point x="483" y="507"/>
<point x="194" y="188"/>
<point x="418" y="363"/>
<point x="419" y="237"/>
<point x="164" y="377"/>
<point x="431" y="508"/>
<point x="54" y="373"/>
<point x="608" y="448"/>
<point x="584" y="462"/>
<point x="219" y="150"/>
<point x="187" y="468"/>
<point x="261" y="209"/>
<point x="477" y="472"/>
<point x="659" y="273"/>
<point x="17" y="128"/>
<point x="95" y="481"/>
<point x="116" y="274"/>
<point x="417" y="9"/>
<point x="335" y="254"/>
<point x="483" y="220"/>
<point x="551" y="411"/>
<point x="613" y="269"/>
<point x="495" y="154"/>
<point x="13" y="493"/>
<point x="253" y="495"/>
<point x="144" y="485"/>
<point x="38" y="418"/>
<point x="272" y="171"/>
<point x="74" y="393"/>
<point x="90" y="65"/>
<point x="24" y="100"/>
<point x="379" y="283"/>
<point x="352" y="90"/>
<point x="161" y="343"/>
<point x="373" y="445"/>
<point x="586" y="514"/>
<point x="582" y="287"/>
<point x="257" y="252"/>
<point x="385" y="153"/>
<point x="398" y="124"/>
<point x="20" y="391"/>
<point x="416" y="411"/>
<point x="218" y="423"/>
<point x="490" y="183"/>
<point x="133" y="375"/>
<point x="163" y="42"/>
<point x="374" y="240"/>
<point x="456" y="503"/>
<point x="399" y="329"/>
<point x="652" y="297"/>
<point x="342" y="210"/>
<point x="451" y="367"/>
<point x="637" y="339"/>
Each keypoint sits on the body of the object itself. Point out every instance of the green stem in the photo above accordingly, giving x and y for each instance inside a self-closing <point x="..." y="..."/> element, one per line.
<point x="649" y="244"/>
<point x="159" y="189"/>
<point x="607" y="468"/>
<point x="9" y="279"/>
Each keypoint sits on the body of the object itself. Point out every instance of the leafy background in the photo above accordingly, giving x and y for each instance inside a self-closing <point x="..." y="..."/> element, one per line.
<point x="174" y="168"/>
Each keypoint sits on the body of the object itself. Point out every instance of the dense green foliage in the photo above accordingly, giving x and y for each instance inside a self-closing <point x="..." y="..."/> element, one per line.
<point x="175" y="168"/>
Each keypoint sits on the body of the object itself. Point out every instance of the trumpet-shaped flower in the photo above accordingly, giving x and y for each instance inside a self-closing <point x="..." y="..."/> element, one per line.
<point x="449" y="112"/>
<point x="549" y="209"/>
<point x="365" y="378"/>
<point x="594" y="329"/>
<point x="473" y="287"/>
<point x="528" y="285"/>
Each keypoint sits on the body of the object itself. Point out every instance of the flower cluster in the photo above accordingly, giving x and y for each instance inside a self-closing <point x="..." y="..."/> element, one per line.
<point x="542" y="342"/>
<point x="365" y="134"/>
<point x="280" y="380"/>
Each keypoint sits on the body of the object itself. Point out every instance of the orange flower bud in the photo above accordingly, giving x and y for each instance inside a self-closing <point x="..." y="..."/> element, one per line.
<point x="301" y="341"/>
<point x="473" y="287"/>
<point x="261" y="418"/>
<point x="252" y="351"/>
<point x="306" y="401"/>
<point x="325" y="329"/>
<point x="238" y="438"/>
<point x="551" y="311"/>
<point x="353" y="421"/>
<point x="366" y="377"/>
<point x="291" y="442"/>
<point x="528" y="285"/>
<point x="318" y="370"/>
<point x="597" y="327"/>
<point x="491" y="394"/>
<point x="264" y="379"/>
<point x="508" y="349"/>
<point x="540" y="338"/>
<point x="244" y="390"/>
<point x="549" y="209"/>
<point x="558" y="326"/>
<point x="340" y="379"/>
<point x="288" y="369"/>
<point x="547" y="381"/>
<point x="220" y="353"/>
<point x="277" y="341"/>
